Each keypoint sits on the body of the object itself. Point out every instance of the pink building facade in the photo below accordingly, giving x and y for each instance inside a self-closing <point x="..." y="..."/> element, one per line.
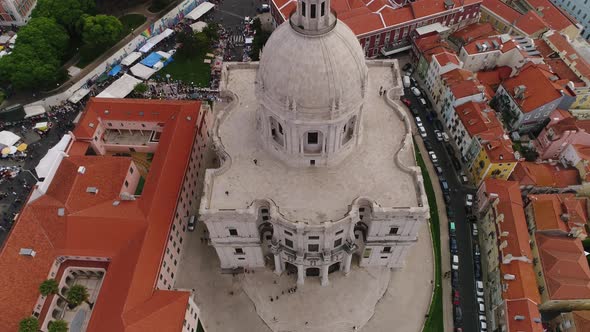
<point x="562" y="130"/>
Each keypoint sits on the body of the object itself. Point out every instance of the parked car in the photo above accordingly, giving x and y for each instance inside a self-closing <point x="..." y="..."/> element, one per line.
<point x="468" y="200"/>
<point x="450" y="150"/>
<point x="443" y="184"/>
<point x="456" y="300"/>
<point x="453" y="244"/>
<point x="427" y="145"/>
<point x="479" y="288"/>
<point x="414" y="111"/>
<point x="439" y="170"/>
<point x="415" y="91"/>
<point x="450" y="213"/>
<point x="413" y="81"/>
<point x="191" y="224"/>
<point x="406" y="81"/>
<point x="418" y="120"/>
<point x="264" y="8"/>
<point x="422" y="131"/>
<point x="422" y="102"/>
<point x="445" y="137"/>
<point x="483" y="326"/>
<point x="407" y="66"/>
<point x="454" y="278"/>
<point x="455" y="262"/>
<point x="438" y="135"/>
<point x="458" y="316"/>
<point x="451" y="227"/>
<point x="447" y="197"/>
<point x="477" y="264"/>
<point x="476" y="251"/>
<point x="474" y="231"/>
<point x="406" y="101"/>
<point x="463" y="178"/>
<point x="481" y="307"/>
<point x="433" y="157"/>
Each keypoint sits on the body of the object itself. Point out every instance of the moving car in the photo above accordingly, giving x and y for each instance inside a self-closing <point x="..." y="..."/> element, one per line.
<point x="415" y="91"/>
<point x="463" y="178"/>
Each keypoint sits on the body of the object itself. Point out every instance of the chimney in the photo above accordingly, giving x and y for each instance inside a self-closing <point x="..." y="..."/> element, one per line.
<point x="509" y="276"/>
<point x="27" y="252"/>
<point x="92" y="190"/>
<point x="81" y="170"/>
<point x="519" y="317"/>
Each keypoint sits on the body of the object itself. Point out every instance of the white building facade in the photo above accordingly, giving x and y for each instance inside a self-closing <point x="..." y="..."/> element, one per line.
<point x="294" y="191"/>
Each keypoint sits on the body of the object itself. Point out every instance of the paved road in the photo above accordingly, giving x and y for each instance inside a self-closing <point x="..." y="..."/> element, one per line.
<point x="463" y="228"/>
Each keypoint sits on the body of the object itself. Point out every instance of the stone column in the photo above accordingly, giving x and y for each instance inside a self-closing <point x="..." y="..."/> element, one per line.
<point x="325" y="281"/>
<point x="347" y="261"/>
<point x="278" y="266"/>
<point x="300" y="275"/>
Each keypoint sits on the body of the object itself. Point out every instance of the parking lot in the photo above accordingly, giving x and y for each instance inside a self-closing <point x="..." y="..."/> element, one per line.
<point x="462" y="243"/>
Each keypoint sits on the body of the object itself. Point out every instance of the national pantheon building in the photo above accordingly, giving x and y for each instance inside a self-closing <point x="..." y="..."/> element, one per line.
<point x="317" y="166"/>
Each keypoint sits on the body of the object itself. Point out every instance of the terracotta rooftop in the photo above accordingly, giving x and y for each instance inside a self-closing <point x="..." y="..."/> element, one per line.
<point x="539" y="88"/>
<point x="493" y="78"/>
<point x="516" y="237"/>
<point x="560" y="44"/>
<point x="501" y="9"/>
<point x="471" y="47"/>
<point x="456" y="76"/>
<point x="498" y="148"/>
<point x="132" y="235"/>
<point x="556" y="19"/>
<point x="445" y="58"/>
<point x="527" y="309"/>
<point x="549" y="209"/>
<point x="581" y="320"/>
<point x="545" y="175"/>
<point x="543" y="48"/>
<point x="565" y="268"/>
<point x="366" y="16"/>
<point x="531" y="23"/>
<point x="474" y="31"/>
<point x="466" y="88"/>
<point x="478" y="118"/>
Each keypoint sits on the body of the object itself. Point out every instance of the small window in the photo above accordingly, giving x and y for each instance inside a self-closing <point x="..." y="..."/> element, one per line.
<point x="126" y="183"/>
<point x="131" y="170"/>
<point x="288" y="233"/>
<point x="312" y="138"/>
<point x="340" y="232"/>
<point x="241" y="258"/>
<point x="289" y="243"/>
<point x="313" y="10"/>
<point x="303" y="9"/>
<point x="233" y="232"/>
<point x="314" y="237"/>
<point x="313" y="247"/>
<point x="312" y="162"/>
<point x="338" y="243"/>
<point x="323" y="8"/>
<point x="239" y="251"/>
<point x="387" y="249"/>
<point x="393" y="230"/>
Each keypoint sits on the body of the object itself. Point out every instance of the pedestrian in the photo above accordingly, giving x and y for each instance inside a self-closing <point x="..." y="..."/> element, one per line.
<point x="255" y="161"/>
<point x="227" y="193"/>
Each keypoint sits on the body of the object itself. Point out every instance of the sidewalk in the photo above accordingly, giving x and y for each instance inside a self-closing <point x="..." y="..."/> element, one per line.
<point x="445" y="254"/>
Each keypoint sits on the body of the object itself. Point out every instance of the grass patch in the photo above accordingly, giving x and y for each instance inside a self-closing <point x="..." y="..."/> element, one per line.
<point x="140" y="185"/>
<point x="434" y="322"/>
<point x="189" y="69"/>
<point x="130" y="22"/>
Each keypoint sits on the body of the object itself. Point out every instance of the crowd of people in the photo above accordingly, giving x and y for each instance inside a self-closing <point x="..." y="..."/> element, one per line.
<point x="178" y="90"/>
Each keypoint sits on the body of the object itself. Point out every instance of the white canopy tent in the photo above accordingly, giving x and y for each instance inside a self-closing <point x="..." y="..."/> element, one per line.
<point x="201" y="10"/>
<point x="8" y="138"/>
<point x="78" y="95"/>
<point x="120" y="88"/>
<point x="155" y="40"/>
<point x="34" y="110"/>
<point x="142" y="71"/>
<point x="48" y="166"/>
<point x="163" y="54"/>
<point x="131" y="58"/>
<point x="13" y="39"/>
<point x="4" y="39"/>
<point x="198" y="26"/>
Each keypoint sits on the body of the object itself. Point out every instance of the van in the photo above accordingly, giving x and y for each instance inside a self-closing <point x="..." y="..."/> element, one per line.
<point x="406" y="81"/>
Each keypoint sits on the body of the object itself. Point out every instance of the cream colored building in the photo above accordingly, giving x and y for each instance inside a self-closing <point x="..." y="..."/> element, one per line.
<point x="317" y="167"/>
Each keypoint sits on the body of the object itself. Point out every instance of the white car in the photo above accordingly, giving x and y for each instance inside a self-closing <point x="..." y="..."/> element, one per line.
<point x="469" y="200"/>
<point x="422" y="131"/>
<point x="433" y="157"/>
<point x="483" y="327"/>
<point x="438" y="135"/>
<point x="415" y="91"/>
<point x="445" y="137"/>
<point x="422" y="101"/>
<point x="455" y="262"/>
<point x="474" y="231"/>
<point x="482" y="307"/>
<point x="479" y="288"/>
<point x="418" y="121"/>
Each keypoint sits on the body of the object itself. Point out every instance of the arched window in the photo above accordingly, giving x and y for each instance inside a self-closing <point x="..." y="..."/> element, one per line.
<point x="276" y="131"/>
<point x="323" y="9"/>
<point x="313" y="142"/>
<point x="348" y="130"/>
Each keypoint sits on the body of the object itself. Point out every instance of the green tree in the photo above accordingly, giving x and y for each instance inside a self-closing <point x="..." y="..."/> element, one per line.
<point x="260" y="39"/>
<point x="51" y="286"/>
<point x="192" y="43"/>
<point x="101" y="31"/>
<point x="140" y="88"/>
<point x="65" y="12"/>
<point x="58" y="326"/>
<point x="44" y="34"/>
<point x="29" y="324"/>
<point x="211" y="31"/>
<point x="78" y="294"/>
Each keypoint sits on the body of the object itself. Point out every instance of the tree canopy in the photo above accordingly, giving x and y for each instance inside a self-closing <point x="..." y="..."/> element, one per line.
<point x="49" y="286"/>
<point x="101" y="31"/>
<point x="65" y="12"/>
<point x="58" y="326"/>
<point x="29" y="324"/>
<point x="77" y="294"/>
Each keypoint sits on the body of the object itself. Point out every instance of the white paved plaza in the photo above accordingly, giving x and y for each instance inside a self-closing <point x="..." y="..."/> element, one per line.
<point x="368" y="299"/>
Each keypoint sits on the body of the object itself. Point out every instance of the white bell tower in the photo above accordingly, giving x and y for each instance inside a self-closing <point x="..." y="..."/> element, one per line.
<point x="313" y="17"/>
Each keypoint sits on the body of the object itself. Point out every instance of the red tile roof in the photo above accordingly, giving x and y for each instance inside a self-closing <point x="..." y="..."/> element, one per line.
<point x="471" y="47"/>
<point x="466" y="88"/>
<point x="516" y="238"/>
<point x="366" y="16"/>
<point x="549" y="209"/>
<point x="531" y="23"/>
<point x="559" y="43"/>
<point x="545" y="175"/>
<point x="556" y="19"/>
<point x="581" y="320"/>
<point x="527" y="309"/>
<point x="565" y="268"/>
<point x="446" y="58"/>
<point x="539" y="89"/>
<point x="498" y="148"/>
<point x="494" y="77"/>
<point x="474" y="31"/>
<point x="478" y="118"/>
<point x="501" y="9"/>
<point x="132" y="235"/>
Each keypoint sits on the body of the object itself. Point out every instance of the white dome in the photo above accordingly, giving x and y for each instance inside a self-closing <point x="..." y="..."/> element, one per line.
<point x="314" y="72"/>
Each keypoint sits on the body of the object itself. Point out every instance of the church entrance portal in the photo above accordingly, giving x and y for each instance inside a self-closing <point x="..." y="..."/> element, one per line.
<point x="334" y="267"/>
<point x="290" y="268"/>
<point x="312" y="272"/>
